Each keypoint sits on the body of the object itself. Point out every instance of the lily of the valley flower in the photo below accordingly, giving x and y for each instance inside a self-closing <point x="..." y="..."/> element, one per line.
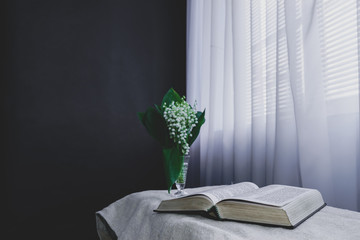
<point x="180" y="119"/>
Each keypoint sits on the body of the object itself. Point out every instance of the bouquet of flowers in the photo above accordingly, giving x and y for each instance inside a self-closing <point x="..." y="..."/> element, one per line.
<point x="175" y="124"/>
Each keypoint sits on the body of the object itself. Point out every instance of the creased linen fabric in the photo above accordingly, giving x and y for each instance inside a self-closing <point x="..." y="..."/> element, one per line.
<point x="132" y="217"/>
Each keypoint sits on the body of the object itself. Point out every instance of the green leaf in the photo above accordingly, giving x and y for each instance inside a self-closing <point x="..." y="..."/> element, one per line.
<point x="156" y="126"/>
<point x="159" y="109"/>
<point x="195" y="131"/>
<point x="171" y="96"/>
<point x="140" y="116"/>
<point x="173" y="161"/>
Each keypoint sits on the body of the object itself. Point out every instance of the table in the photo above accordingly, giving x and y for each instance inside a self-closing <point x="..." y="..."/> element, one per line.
<point x="132" y="217"/>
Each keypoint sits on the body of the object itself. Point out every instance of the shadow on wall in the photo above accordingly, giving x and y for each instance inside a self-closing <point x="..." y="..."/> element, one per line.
<point x="80" y="70"/>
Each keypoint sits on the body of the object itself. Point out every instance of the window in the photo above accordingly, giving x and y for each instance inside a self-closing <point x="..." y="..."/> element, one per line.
<point x="339" y="50"/>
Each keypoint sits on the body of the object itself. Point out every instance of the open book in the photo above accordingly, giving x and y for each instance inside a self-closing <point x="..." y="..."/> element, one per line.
<point x="272" y="205"/>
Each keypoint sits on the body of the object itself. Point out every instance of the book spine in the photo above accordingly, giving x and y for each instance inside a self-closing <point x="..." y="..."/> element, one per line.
<point x="213" y="212"/>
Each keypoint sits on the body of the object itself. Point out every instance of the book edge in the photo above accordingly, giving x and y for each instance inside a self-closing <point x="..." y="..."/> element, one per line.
<point x="275" y="225"/>
<point x="310" y="215"/>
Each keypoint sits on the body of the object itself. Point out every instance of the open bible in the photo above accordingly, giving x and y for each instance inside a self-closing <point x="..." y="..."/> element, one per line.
<point x="278" y="205"/>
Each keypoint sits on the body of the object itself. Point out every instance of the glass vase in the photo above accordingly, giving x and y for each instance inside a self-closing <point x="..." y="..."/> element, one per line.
<point x="181" y="180"/>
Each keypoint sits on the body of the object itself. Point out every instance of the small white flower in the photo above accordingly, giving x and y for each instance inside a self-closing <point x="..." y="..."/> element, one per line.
<point x="180" y="119"/>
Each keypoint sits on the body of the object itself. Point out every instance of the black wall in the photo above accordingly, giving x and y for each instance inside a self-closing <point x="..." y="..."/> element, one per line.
<point x="77" y="74"/>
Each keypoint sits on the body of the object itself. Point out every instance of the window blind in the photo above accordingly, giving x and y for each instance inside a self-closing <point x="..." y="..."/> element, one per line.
<point x="339" y="48"/>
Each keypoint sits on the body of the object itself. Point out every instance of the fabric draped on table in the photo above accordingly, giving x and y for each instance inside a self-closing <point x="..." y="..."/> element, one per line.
<point x="132" y="217"/>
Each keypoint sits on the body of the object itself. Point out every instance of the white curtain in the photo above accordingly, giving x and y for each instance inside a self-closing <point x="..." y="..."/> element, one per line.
<point x="280" y="84"/>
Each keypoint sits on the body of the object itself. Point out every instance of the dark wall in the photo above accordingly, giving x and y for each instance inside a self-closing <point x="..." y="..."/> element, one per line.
<point x="78" y="72"/>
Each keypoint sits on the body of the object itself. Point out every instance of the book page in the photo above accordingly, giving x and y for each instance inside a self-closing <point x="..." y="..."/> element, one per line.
<point x="229" y="191"/>
<point x="275" y="195"/>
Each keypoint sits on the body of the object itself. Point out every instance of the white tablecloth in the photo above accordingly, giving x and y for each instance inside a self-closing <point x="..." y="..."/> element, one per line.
<point x="132" y="217"/>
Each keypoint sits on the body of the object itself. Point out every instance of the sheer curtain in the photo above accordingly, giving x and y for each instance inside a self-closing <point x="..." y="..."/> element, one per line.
<point x="280" y="84"/>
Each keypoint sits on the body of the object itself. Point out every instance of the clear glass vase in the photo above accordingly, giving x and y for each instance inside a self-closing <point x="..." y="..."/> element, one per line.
<point x="181" y="181"/>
